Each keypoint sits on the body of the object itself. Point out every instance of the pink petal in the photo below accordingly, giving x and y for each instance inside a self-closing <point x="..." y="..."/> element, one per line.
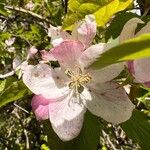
<point x="40" y="107"/>
<point x="142" y="70"/>
<point x="109" y="101"/>
<point x="41" y="79"/>
<point x="147" y="84"/>
<point x="129" y="28"/>
<point x="66" y="117"/>
<point x="33" y="50"/>
<point x="57" y="35"/>
<point x="47" y="56"/>
<point x="68" y="52"/>
<point x="130" y="65"/>
<point x="85" y="31"/>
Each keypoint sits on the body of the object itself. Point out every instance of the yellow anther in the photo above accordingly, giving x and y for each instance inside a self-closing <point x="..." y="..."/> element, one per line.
<point x="78" y="79"/>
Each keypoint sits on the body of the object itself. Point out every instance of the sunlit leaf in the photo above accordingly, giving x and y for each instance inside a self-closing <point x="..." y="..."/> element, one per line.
<point x="132" y="49"/>
<point x="12" y="92"/>
<point x="103" y="10"/>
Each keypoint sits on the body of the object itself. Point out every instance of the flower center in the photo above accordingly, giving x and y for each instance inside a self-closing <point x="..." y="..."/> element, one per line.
<point x="78" y="79"/>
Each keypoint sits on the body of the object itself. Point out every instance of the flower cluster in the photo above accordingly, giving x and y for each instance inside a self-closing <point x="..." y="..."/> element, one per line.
<point x="63" y="94"/>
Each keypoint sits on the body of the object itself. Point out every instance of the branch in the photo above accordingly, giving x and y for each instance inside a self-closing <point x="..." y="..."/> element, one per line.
<point x="28" y="12"/>
<point x="21" y="108"/>
<point x="106" y="136"/>
<point x="2" y="76"/>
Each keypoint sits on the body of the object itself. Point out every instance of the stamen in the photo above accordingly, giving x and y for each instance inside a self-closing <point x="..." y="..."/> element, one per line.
<point x="78" y="79"/>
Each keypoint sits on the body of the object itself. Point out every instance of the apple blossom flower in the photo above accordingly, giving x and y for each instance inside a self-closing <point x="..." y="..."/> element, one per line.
<point x="137" y="67"/>
<point x="64" y="94"/>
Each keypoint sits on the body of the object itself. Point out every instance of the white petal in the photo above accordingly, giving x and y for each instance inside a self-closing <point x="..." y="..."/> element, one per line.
<point x="142" y="69"/>
<point x="91" y="54"/>
<point x="106" y="74"/>
<point x="145" y="29"/>
<point x="85" y="30"/>
<point x="129" y="29"/>
<point x="57" y="35"/>
<point x="42" y="80"/>
<point x="66" y="117"/>
<point x="109" y="101"/>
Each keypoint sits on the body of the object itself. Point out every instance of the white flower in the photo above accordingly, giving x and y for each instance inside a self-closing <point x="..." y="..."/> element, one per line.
<point x="64" y="94"/>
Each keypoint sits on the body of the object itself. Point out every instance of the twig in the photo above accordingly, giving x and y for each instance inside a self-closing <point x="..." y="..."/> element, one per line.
<point x="146" y="12"/>
<point x="65" y="5"/>
<point x="3" y="76"/>
<point x="27" y="139"/>
<point x="2" y="17"/>
<point x="21" y="108"/>
<point x="15" y="112"/>
<point x="108" y="139"/>
<point x="28" y="12"/>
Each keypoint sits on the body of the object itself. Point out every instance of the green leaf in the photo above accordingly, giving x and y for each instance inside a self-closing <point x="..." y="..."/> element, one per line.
<point x="103" y="10"/>
<point x="132" y="49"/>
<point x="138" y="128"/>
<point x="2" y="85"/>
<point x="87" y="140"/>
<point x="12" y="92"/>
<point x="3" y="11"/>
<point x="4" y="36"/>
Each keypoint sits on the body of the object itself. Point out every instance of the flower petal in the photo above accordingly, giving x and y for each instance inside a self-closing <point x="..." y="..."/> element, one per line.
<point x="106" y="74"/>
<point x="109" y="101"/>
<point x="130" y="65"/>
<point x="85" y="31"/>
<point x="145" y="29"/>
<point x="91" y="54"/>
<point x="47" y="56"/>
<point x="57" y="36"/>
<point x="66" y="117"/>
<point x="40" y="107"/>
<point x="41" y="79"/>
<point x="142" y="70"/>
<point x="129" y="28"/>
<point x="68" y="52"/>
